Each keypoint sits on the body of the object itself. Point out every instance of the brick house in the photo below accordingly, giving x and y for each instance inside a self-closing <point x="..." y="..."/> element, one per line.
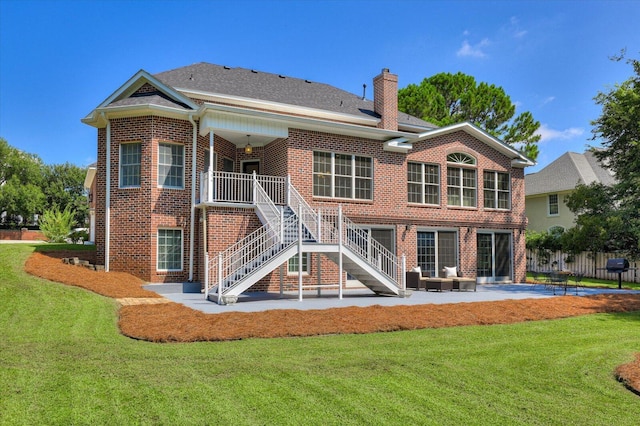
<point x="245" y="180"/>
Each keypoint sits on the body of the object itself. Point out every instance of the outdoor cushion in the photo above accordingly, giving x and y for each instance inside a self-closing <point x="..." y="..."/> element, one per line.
<point x="450" y="271"/>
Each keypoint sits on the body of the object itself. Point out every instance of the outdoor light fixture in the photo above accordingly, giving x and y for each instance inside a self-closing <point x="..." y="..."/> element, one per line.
<point x="248" y="149"/>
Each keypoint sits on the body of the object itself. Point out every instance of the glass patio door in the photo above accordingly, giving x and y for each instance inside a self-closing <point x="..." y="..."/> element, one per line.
<point x="494" y="257"/>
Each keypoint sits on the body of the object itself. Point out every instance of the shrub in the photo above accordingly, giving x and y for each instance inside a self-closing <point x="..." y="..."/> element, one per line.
<point x="56" y="224"/>
<point x="79" y="236"/>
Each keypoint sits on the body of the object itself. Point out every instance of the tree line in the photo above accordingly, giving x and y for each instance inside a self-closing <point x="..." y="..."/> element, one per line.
<point x="29" y="188"/>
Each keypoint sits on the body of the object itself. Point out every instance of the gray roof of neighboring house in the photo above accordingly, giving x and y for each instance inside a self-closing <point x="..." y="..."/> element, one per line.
<point x="251" y="84"/>
<point x="566" y="172"/>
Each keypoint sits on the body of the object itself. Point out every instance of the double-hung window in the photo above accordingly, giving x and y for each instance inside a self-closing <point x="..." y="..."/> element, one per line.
<point x="461" y="180"/>
<point x="497" y="193"/>
<point x="423" y="183"/>
<point x="169" y="250"/>
<point x="342" y="176"/>
<point x="130" y="154"/>
<point x="171" y="166"/>
<point x="553" y="205"/>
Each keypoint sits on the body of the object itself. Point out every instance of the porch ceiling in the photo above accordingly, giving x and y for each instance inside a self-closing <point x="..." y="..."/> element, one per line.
<point x="235" y="128"/>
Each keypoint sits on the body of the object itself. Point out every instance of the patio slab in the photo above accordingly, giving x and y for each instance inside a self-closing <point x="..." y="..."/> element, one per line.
<point x="260" y="301"/>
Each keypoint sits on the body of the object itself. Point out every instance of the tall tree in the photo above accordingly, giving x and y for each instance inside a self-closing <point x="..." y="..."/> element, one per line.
<point x="618" y="130"/>
<point x="64" y="188"/>
<point x="21" y="180"/>
<point x="446" y="98"/>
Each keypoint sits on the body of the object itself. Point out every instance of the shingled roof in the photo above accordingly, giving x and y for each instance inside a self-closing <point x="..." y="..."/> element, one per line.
<point x="566" y="172"/>
<point x="251" y="84"/>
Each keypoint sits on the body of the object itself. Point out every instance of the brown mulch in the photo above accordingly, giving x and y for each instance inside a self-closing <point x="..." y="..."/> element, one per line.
<point x="143" y="318"/>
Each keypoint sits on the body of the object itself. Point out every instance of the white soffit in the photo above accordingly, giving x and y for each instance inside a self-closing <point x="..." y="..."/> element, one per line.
<point x="221" y="121"/>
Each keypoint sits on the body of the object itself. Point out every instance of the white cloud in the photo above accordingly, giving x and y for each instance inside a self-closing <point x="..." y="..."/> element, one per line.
<point x="474" y="51"/>
<point x="514" y="28"/>
<point x="547" y="134"/>
<point x="548" y="100"/>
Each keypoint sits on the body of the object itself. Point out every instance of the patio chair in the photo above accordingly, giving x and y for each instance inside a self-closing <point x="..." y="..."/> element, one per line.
<point x="413" y="280"/>
<point x="559" y="279"/>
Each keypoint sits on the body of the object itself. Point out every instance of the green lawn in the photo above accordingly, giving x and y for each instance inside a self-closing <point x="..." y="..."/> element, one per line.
<point x="62" y="361"/>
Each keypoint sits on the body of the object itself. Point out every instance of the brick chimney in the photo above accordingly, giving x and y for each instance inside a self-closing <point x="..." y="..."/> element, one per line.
<point x="385" y="99"/>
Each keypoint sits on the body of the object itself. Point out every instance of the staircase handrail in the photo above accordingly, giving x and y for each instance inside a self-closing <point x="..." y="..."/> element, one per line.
<point x="308" y="216"/>
<point x="378" y="255"/>
<point x="359" y="241"/>
<point x="263" y="241"/>
<point x="267" y="209"/>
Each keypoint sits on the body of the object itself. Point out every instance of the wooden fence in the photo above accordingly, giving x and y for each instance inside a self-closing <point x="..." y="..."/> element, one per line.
<point x="586" y="263"/>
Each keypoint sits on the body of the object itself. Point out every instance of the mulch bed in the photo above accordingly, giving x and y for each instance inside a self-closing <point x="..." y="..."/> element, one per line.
<point x="173" y="322"/>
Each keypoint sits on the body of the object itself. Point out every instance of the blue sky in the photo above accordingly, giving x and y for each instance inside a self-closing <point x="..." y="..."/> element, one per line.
<point x="60" y="59"/>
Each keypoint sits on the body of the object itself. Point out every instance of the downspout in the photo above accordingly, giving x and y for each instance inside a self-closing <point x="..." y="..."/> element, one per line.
<point x="194" y="153"/>
<point x="107" y="200"/>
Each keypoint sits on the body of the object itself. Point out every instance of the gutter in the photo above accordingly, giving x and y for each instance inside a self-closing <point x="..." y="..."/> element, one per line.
<point x="107" y="201"/>
<point x="194" y="153"/>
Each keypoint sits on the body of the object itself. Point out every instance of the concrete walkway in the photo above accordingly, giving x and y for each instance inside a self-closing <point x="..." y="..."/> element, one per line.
<point x="258" y="301"/>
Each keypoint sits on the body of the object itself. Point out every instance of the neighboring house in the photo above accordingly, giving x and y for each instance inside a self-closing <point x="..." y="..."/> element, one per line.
<point x="547" y="189"/>
<point x="90" y="187"/>
<point x="284" y="183"/>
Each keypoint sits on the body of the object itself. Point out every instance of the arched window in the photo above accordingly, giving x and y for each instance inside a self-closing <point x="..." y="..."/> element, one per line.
<point x="461" y="158"/>
<point x="461" y="180"/>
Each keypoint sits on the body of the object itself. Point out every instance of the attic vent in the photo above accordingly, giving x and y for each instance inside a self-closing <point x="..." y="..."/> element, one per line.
<point x="191" y="77"/>
<point x="341" y="103"/>
<point x="281" y="76"/>
<point x="254" y="71"/>
<point x="307" y="81"/>
<point x="226" y="67"/>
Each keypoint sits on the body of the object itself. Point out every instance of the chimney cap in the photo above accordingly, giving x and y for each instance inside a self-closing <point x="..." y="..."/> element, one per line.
<point x="385" y="70"/>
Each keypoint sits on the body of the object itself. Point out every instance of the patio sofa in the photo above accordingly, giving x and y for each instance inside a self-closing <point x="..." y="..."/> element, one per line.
<point x="417" y="279"/>
<point x="459" y="282"/>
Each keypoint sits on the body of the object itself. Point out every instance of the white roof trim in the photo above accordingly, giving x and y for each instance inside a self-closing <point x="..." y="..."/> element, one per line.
<point x="519" y="160"/>
<point x="95" y="118"/>
<point x="280" y="107"/>
<point x="128" y="88"/>
<point x="90" y="176"/>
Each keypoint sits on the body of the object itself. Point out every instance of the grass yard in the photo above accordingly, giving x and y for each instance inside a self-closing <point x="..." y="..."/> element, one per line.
<point x="63" y="361"/>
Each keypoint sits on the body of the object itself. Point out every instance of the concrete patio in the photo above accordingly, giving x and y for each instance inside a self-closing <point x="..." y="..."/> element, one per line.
<point x="260" y="301"/>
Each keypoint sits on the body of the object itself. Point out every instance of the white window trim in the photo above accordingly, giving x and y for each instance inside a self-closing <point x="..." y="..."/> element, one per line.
<point x="423" y="183"/>
<point x="353" y="176"/>
<point x="304" y="271"/>
<point x="549" y="205"/>
<point x="158" y="249"/>
<point x="461" y="187"/>
<point x="120" y="186"/>
<point x="495" y="191"/>
<point x="183" y="165"/>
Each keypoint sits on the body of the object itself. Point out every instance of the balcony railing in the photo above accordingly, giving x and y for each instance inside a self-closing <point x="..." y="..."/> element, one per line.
<point x="227" y="187"/>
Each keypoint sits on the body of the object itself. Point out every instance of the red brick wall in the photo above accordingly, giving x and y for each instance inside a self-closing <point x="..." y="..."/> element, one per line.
<point x="21" y="235"/>
<point x="385" y="99"/>
<point x="137" y="213"/>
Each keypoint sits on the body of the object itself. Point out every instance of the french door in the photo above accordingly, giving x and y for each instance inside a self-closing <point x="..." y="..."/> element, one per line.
<point x="495" y="260"/>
